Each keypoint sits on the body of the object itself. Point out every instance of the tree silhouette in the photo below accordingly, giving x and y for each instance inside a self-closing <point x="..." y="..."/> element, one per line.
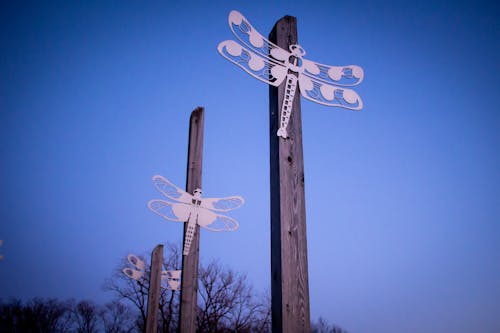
<point x="85" y="317"/>
<point x="135" y="292"/>
<point x="38" y="315"/>
<point x="116" y="318"/>
<point x="323" y="326"/>
<point x="226" y="300"/>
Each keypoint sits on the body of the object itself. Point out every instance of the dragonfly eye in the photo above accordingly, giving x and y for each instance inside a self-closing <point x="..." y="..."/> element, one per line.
<point x="197" y="193"/>
<point x="297" y="50"/>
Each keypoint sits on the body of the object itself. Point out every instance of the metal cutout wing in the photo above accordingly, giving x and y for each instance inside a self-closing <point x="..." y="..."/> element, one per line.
<point x="346" y="76"/>
<point x="325" y="84"/>
<point x="170" y="190"/>
<point x="261" y="58"/>
<point x="250" y="37"/>
<point x="176" y="212"/>
<point x="326" y="94"/>
<point x="138" y="264"/>
<point x="222" y="204"/>
<point x="216" y="222"/>
<point x="257" y="66"/>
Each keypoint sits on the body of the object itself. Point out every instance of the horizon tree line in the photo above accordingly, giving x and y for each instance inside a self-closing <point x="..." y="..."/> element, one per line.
<point x="227" y="302"/>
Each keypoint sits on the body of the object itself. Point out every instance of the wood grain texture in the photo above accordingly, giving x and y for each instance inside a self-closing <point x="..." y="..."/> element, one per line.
<point x="154" y="289"/>
<point x="289" y="268"/>
<point x="189" y="284"/>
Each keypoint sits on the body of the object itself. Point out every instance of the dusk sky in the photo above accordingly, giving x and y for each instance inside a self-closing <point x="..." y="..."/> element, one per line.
<point x="402" y="198"/>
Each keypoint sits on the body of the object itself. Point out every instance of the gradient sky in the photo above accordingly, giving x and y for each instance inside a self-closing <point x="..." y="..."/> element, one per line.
<point x="402" y="198"/>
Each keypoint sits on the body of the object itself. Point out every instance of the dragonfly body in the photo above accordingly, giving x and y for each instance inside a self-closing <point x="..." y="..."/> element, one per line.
<point x="188" y="213"/>
<point x="192" y="219"/>
<point x="272" y="64"/>
<point x="287" y="105"/>
<point x="193" y="209"/>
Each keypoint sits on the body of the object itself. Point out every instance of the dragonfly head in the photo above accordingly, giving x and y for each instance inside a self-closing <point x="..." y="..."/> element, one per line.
<point x="295" y="60"/>
<point x="197" y="193"/>
<point x="297" y="50"/>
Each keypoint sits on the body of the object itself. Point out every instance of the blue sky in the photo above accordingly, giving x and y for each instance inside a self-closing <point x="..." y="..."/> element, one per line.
<point x="402" y="198"/>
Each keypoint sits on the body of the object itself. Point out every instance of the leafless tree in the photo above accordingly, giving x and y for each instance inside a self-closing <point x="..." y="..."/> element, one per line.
<point x="227" y="302"/>
<point x="132" y="291"/>
<point x="323" y="326"/>
<point x="116" y="318"/>
<point x="51" y="315"/>
<point x="85" y="317"/>
<point x="9" y="314"/>
<point x="38" y="315"/>
<point x="136" y="292"/>
<point x="264" y="322"/>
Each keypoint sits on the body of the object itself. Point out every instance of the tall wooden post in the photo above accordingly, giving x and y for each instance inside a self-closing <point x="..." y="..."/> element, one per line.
<point x="154" y="289"/>
<point x="189" y="285"/>
<point x="289" y="272"/>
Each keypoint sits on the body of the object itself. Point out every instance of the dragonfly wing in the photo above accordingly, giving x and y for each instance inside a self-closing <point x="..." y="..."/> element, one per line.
<point x="136" y="262"/>
<point x="337" y="75"/>
<point x="216" y="222"/>
<point x="176" y="212"/>
<point x="329" y="95"/>
<point x="257" y="66"/>
<point x="170" y="190"/>
<point x="133" y="274"/>
<point x="222" y="204"/>
<point x="250" y="37"/>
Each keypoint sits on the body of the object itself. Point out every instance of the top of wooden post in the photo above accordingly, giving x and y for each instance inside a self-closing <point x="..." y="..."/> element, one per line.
<point x="288" y="25"/>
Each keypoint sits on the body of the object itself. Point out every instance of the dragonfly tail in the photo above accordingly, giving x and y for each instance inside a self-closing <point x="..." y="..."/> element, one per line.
<point x="191" y="228"/>
<point x="282" y="132"/>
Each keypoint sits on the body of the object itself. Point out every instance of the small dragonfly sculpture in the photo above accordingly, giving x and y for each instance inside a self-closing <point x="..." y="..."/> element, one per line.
<point x="193" y="209"/>
<point x="173" y="278"/>
<point x="271" y="64"/>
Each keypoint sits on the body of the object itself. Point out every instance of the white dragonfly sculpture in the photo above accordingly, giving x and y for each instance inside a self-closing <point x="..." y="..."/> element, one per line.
<point x="173" y="278"/>
<point x="193" y="209"/>
<point x="271" y="64"/>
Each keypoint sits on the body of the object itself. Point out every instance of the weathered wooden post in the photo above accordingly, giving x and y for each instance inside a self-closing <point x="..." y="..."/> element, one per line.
<point x="280" y="63"/>
<point x="289" y="272"/>
<point x="189" y="206"/>
<point x="154" y="289"/>
<point x="189" y="285"/>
